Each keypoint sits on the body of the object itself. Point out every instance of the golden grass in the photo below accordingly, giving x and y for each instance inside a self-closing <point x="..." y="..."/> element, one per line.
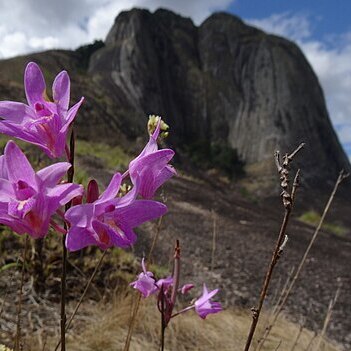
<point x="106" y="327"/>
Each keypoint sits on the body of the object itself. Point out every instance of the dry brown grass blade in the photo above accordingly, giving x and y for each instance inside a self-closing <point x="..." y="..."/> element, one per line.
<point x="105" y="327"/>
<point x="327" y="318"/>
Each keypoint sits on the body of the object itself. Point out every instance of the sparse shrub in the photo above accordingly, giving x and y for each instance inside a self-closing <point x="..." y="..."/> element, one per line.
<point x="216" y="155"/>
<point x="85" y="52"/>
<point x="312" y="217"/>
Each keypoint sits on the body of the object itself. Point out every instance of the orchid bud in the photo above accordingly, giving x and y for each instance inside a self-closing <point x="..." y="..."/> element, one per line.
<point x="93" y="191"/>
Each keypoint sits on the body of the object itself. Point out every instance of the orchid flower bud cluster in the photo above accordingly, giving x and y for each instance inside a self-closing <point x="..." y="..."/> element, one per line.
<point x="32" y="201"/>
<point x="167" y="289"/>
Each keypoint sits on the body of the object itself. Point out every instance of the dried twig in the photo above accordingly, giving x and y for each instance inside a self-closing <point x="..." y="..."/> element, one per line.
<point x="214" y="238"/>
<point x="287" y="198"/>
<point x="342" y="176"/>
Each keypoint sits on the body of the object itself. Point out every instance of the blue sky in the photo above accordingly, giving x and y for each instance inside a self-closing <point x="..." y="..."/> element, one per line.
<point x="327" y="17"/>
<point x="322" y="28"/>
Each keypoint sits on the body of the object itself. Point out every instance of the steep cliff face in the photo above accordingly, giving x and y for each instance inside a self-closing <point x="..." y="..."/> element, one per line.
<point x="222" y="81"/>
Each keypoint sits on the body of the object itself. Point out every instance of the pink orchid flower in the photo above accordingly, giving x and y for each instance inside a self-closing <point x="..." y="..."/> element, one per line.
<point x="42" y="122"/>
<point x="145" y="282"/>
<point x="109" y="220"/>
<point x="204" y="305"/>
<point x="151" y="166"/>
<point x="29" y="199"/>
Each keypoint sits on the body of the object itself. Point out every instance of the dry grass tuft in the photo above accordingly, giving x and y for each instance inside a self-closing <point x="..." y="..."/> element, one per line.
<point x="106" y="327"/>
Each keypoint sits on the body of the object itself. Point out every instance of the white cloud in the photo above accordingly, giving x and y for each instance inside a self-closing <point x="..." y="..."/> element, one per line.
<point x="330" y="59"/>
<point x="34" y="25"/>
<point x="296" y="27"/>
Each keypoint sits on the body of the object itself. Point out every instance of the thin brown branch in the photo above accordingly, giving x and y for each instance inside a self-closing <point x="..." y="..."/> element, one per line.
<point x="341" y="177"/>
<point x="283" y="170"/>
<point x="263" y="338"/>
<point x="293" y="154"/>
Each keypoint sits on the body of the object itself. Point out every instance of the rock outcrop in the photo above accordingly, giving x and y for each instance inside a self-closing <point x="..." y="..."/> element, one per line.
<point x="223" y="81"/>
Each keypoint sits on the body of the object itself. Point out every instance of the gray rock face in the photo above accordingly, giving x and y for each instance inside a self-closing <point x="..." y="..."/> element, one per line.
<point x="222" y="81"/>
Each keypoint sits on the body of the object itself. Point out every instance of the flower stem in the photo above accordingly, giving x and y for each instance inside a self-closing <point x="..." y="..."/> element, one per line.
<point x="17" y="346"/>
<point x="82" y="296"/>
<point x="163" y="322"/>
<point x="176" y="273"/>
<point x="63" y="295"/>
<point x="70" y="174"/>
<point x="137" y="303"/>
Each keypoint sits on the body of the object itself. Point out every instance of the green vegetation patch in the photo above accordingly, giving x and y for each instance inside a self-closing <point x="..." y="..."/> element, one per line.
<point x="313" y="218"/>
<point x="114" y="157"/>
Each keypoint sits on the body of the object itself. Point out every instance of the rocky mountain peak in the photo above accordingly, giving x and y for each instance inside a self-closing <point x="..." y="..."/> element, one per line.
<point x="224" y="81"/>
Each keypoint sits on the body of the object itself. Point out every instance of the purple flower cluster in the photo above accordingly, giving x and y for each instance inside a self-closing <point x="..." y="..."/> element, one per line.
<point x="30" y="201"/>
<point x="148" y="285"/>
<point x="42" y="122"/>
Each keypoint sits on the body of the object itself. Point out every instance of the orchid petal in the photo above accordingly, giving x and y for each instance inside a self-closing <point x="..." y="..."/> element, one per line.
<point x="3" y="169"/>
<point x="156" y="159"/>
<point x="112" y="189"/>
<point x="80" y="215"/>
<point x="71" y="114"/>
<point x="18" y="166"/>
<point x="52" y="174"/>
<point x="6" y="190"/>
<point x="16" y="225"/>
<point x="61" y="91"/>
<point x="113" y="235"/>
<point x="63" y="193"/>
<point x="34" y="84"/>
<point x="16" y="112"/>
<point x="77" y="238"/>
<point x="129" y="197"/>
<point x="140" y="211"/>
<point x="165" y="174"/>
